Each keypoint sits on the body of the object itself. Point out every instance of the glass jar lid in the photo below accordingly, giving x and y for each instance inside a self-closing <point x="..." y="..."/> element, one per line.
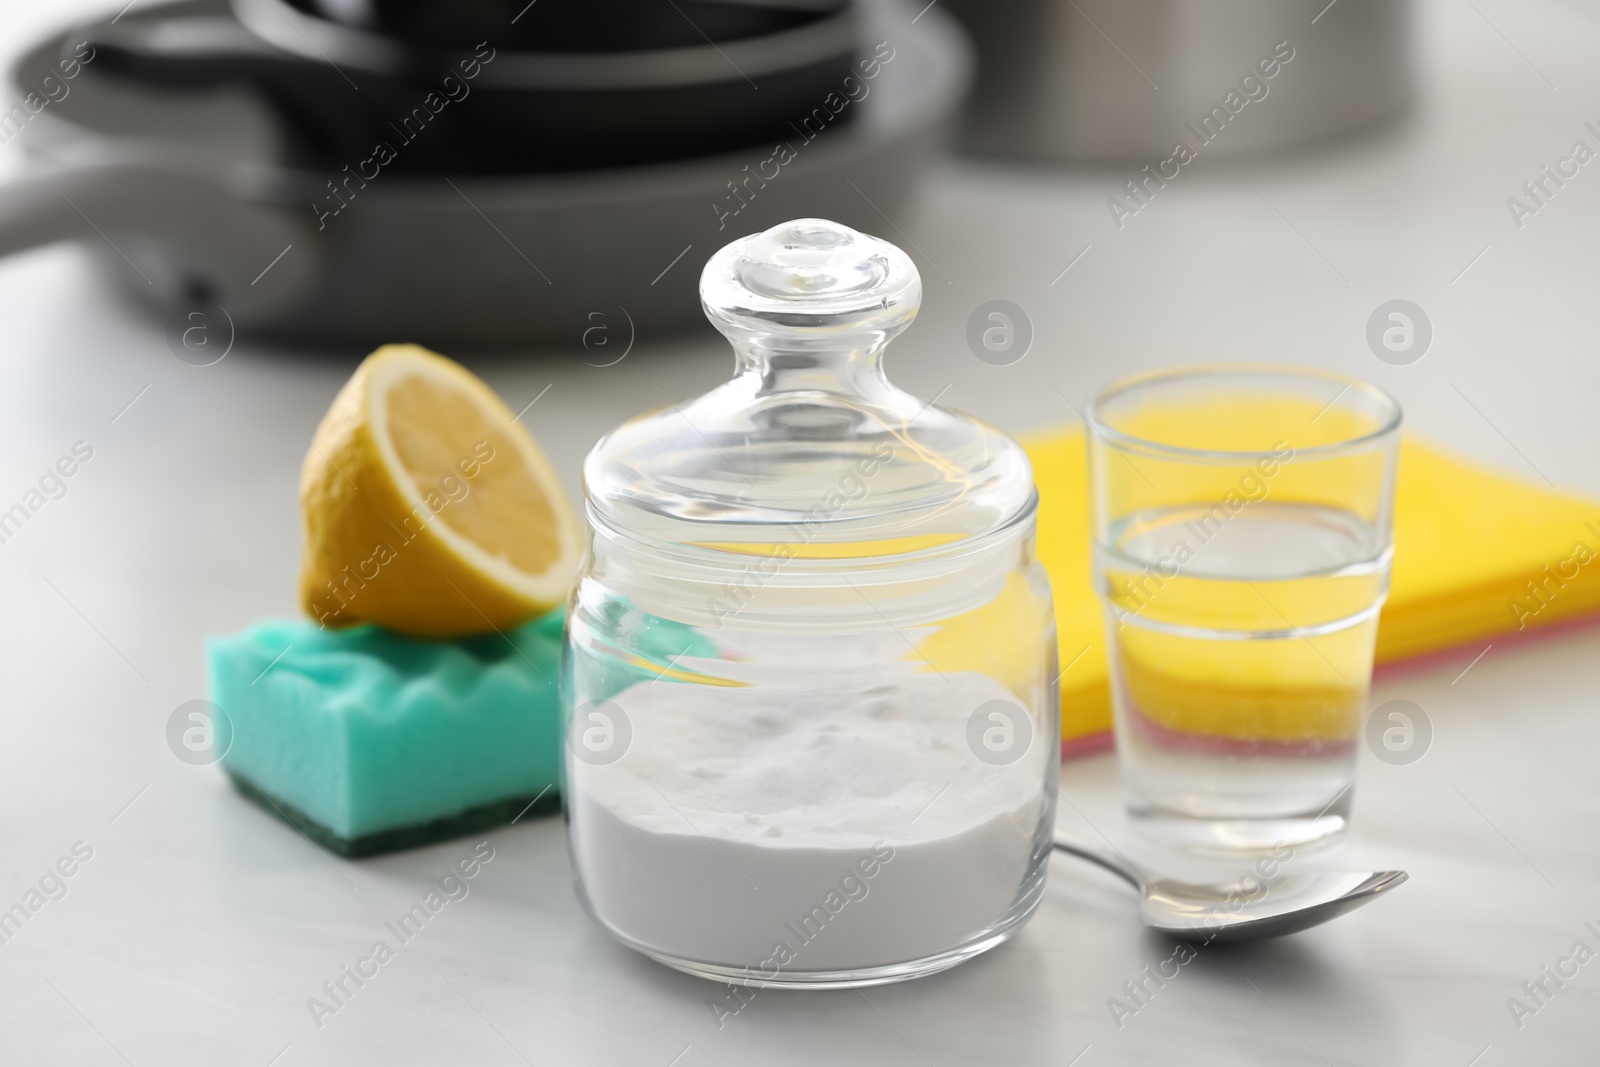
<point x="809" y="444"/>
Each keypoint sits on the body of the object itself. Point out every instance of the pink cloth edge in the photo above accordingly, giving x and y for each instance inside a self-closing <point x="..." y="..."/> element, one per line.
<point x="1456" y="653"/>
<point x="1088" y="745"/>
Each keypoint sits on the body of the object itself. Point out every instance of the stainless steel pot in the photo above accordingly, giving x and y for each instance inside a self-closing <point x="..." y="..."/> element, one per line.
<point x="1120" y="79"/>
<point x="183" y="199"/>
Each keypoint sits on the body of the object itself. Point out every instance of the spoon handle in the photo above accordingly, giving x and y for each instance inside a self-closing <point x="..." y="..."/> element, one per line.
<point x="1113" y="862"/>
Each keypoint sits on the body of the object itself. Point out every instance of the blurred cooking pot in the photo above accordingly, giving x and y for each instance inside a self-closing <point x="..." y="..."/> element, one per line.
<point x="1124" y="79"/>
<point x="480" y="88"/>
<point x="184" y="198"/>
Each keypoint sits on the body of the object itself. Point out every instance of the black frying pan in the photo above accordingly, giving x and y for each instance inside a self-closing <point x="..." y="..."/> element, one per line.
<point x="183" y="198"/>
<point x="505" y="86"/>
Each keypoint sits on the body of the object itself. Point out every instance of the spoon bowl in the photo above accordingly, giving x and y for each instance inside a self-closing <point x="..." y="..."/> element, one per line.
<point x="1245" y="910"/>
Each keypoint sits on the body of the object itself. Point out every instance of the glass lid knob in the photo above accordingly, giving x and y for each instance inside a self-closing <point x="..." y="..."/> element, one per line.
<point x="810" y="275"/>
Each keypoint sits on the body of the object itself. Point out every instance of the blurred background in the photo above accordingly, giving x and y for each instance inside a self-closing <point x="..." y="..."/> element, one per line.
<point x="210" y="211"/>
<point x="212" y="175"/>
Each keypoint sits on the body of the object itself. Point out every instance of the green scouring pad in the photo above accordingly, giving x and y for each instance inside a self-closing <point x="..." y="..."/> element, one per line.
<point x="369" y="742"/>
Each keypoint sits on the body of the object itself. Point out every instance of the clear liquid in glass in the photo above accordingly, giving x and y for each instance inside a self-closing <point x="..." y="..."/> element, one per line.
<point x="1241" y="652"/>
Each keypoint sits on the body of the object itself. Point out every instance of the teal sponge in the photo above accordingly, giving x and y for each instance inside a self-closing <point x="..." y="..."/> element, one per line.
<point x="369" y="741"/>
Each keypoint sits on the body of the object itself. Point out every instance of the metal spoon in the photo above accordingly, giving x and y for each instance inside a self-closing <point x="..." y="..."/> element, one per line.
<point x="1267" y="907"/>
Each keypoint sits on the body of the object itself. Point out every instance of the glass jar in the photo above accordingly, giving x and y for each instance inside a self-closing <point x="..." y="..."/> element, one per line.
<point x="810" y="675"/>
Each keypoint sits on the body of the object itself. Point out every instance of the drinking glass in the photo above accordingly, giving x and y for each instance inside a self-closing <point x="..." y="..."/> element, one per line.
<point x="1242" y="520"/>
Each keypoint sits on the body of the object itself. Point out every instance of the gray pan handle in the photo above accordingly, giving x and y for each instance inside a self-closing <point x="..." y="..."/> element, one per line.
<point x="176" y="227"/>
<point x="181" y="52"/>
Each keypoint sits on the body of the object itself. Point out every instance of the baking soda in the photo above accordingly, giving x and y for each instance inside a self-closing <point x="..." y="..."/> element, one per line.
<point x="805" y="831"/>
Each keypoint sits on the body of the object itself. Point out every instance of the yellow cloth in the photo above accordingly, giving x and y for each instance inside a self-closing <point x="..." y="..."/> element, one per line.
<point x="1477" y="554"/>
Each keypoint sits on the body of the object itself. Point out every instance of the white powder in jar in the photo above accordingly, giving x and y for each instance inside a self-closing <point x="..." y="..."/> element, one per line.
<point x="853" y="829"/>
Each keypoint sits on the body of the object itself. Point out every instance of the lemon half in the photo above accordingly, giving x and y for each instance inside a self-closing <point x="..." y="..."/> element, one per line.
<point x="428" y="508"/>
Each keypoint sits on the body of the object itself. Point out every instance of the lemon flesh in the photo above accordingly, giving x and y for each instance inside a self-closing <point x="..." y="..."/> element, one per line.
<point x="428" y="508"/>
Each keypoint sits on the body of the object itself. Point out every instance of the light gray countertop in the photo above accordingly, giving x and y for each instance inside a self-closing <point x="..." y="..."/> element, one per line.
<point x="200" y="926"/>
